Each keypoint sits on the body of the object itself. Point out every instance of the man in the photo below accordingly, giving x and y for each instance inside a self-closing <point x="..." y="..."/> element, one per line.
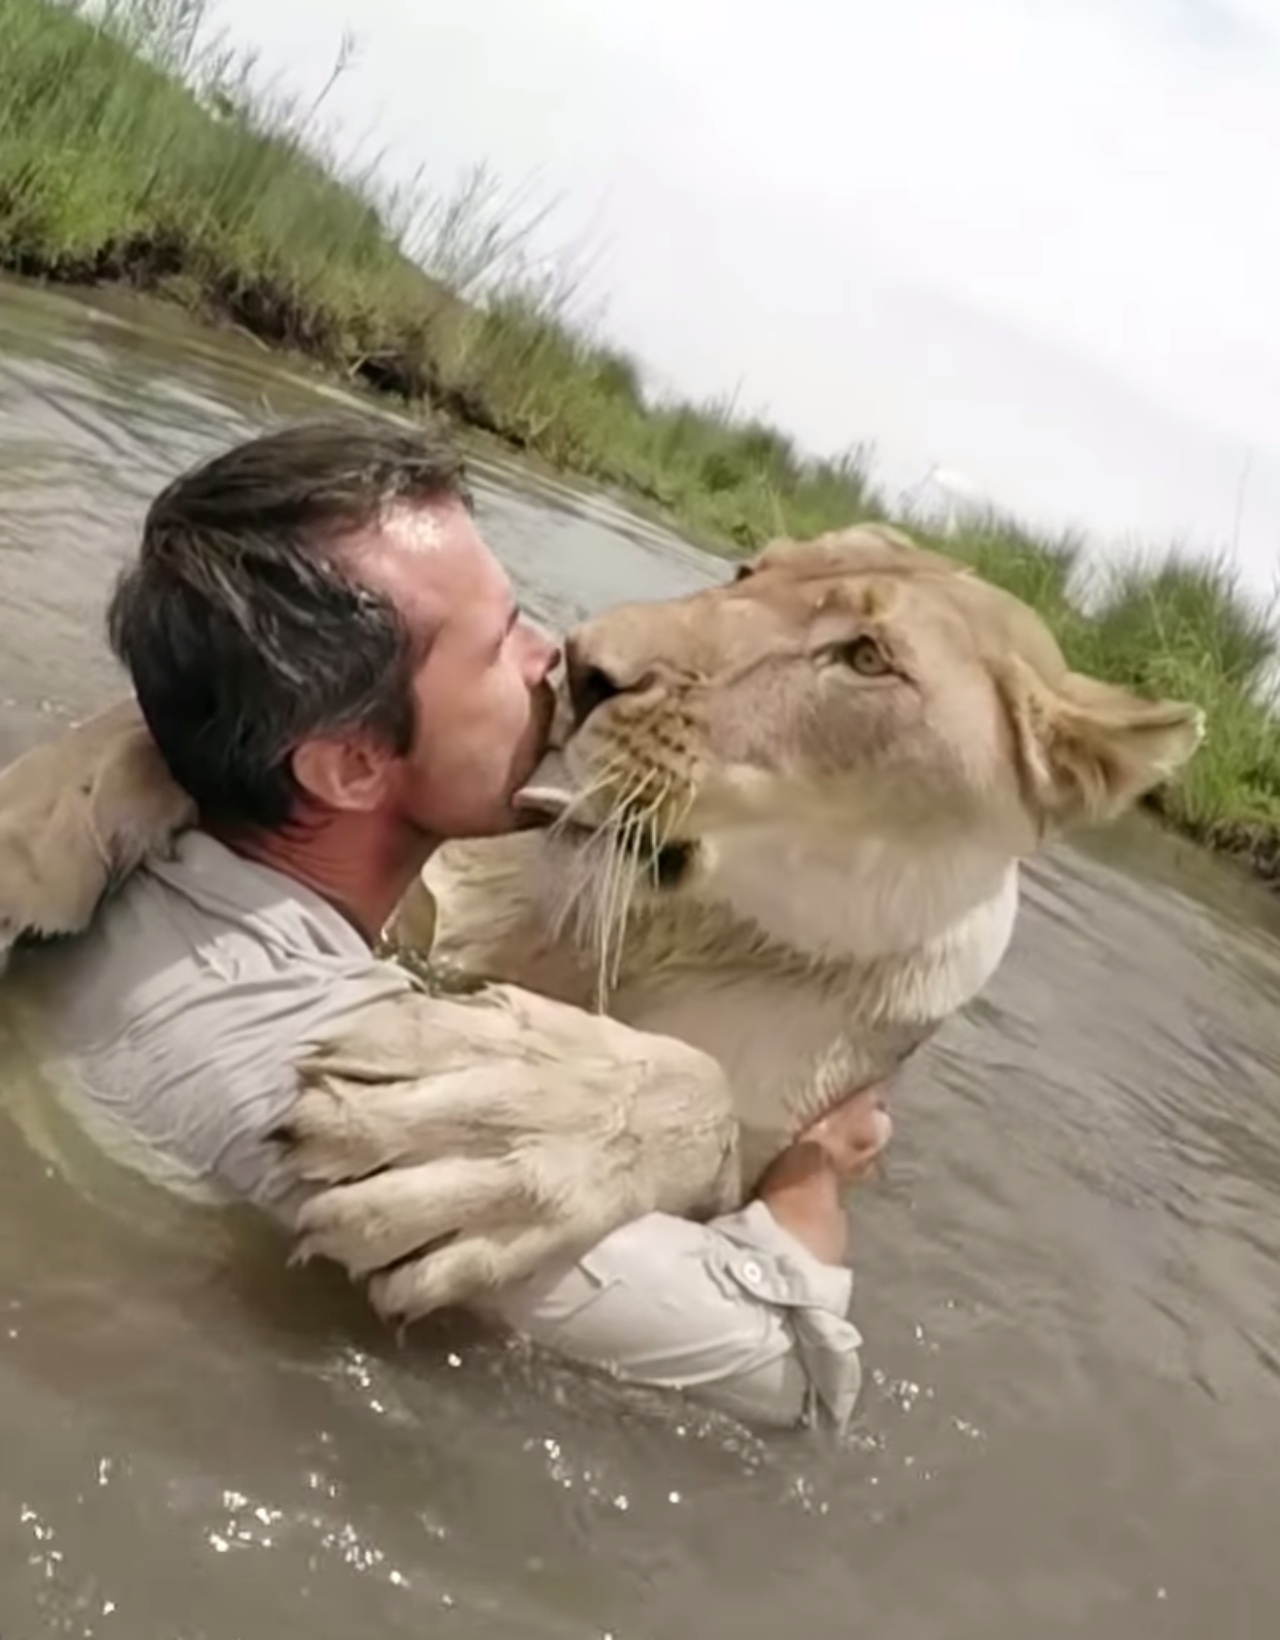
<point x="333" y="667"/>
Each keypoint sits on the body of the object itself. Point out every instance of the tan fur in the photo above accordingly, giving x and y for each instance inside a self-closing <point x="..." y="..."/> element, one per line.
<point x="851" y="845"/>
<point x="78" y="815"/>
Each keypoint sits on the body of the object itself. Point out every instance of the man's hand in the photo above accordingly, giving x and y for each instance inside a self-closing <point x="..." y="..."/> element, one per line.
<point x="463" y="1143"/>
<point x="854" y="1135"/>
<point x="802" y="1188"/>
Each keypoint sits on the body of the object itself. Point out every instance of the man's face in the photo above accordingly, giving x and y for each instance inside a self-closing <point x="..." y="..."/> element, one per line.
<point x="482" y="700"/>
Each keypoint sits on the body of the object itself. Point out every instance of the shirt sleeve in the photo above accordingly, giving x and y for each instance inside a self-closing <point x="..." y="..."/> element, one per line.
<point x="736" y="1313"/>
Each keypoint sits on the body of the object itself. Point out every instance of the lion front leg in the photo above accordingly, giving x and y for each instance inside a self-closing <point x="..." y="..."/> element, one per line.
<point x="454" y="1146"/>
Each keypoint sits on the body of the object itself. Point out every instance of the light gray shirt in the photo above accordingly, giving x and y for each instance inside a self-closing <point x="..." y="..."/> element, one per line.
<point x="173" y="1027"/>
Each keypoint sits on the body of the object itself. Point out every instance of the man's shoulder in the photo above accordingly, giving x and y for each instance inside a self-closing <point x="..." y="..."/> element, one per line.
<point x="179" y="1016"/>
<point x="205" y="934"/>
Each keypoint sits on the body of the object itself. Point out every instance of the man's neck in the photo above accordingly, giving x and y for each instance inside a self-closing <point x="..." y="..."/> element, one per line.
<point x="360" y="863"/>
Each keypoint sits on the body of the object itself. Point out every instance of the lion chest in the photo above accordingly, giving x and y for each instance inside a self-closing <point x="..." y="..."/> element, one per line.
<point x="795" y="1035"/>
<point x="790" y="1049"/>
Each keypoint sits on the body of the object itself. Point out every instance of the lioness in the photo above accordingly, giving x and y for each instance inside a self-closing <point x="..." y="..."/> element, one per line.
<point x="783" y="824"/>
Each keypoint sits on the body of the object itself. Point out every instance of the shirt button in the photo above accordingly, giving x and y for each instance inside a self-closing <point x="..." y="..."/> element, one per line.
<point x="752" y="1271"/>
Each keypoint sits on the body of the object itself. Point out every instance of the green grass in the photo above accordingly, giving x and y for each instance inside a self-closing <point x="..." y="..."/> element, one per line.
<point x="137" y="147"/>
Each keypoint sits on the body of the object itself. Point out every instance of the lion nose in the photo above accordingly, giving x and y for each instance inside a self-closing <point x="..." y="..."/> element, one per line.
<point x="589" y="684"/>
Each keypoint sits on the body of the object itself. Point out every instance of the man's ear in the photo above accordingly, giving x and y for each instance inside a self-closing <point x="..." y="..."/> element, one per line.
<point x="349" y="773"/>
<point x="1089" y="750"/>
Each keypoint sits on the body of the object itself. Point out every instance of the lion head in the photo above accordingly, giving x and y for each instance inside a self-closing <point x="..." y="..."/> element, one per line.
<point x="850" y="720"/>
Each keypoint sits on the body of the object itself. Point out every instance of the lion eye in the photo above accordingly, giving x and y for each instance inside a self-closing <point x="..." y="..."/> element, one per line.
<point x="863" y="656"/>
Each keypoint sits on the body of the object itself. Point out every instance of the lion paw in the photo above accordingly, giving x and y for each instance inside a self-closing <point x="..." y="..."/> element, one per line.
<point x="457" y="1144"/>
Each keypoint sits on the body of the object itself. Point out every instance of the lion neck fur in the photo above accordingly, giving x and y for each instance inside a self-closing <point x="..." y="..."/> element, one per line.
<point x="806" y="970"/>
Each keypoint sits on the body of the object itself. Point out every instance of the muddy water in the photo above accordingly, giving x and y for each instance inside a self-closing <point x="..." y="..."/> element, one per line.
<point x="1069" y="1279"/>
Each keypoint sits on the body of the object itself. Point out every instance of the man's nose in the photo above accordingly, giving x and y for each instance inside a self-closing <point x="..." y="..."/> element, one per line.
<point x="543" y="651"/>
<point x="552" y="654"/>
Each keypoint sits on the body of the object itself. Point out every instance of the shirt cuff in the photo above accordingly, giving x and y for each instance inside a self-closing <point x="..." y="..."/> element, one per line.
<point x="806" y="1279"/>
<point x="771" y="1265"/>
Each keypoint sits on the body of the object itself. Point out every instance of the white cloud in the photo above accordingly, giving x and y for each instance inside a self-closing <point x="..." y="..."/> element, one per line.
<point x="1035" y="241"/>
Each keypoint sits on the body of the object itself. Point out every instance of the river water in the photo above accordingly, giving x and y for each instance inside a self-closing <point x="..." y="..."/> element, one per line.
<point x="1069" y="1276"/>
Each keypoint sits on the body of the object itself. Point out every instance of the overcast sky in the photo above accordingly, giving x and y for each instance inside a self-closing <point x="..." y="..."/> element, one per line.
<point x="1035" y="240"/>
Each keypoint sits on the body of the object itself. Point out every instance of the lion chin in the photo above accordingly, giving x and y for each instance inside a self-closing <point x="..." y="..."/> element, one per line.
<point x="782" y="825"/>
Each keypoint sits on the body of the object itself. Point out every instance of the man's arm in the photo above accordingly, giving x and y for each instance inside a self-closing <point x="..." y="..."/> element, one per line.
<point x="737" y="1314"/>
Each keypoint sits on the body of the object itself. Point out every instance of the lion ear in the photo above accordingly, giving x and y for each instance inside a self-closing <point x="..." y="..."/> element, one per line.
<point x="1089" y="750"/>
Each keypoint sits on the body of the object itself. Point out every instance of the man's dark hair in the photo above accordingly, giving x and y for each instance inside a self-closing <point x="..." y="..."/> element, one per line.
<point x="243" y="629"/>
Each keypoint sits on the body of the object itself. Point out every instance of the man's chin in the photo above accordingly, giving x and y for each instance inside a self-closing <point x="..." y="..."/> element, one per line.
<point x="513" y="815"/>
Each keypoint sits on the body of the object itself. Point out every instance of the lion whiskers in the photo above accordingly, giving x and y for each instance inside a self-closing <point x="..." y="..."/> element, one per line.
<point x="602" y="874"/>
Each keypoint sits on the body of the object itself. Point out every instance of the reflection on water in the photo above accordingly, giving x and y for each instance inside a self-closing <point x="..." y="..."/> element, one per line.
<point x="1068" y="1279"/>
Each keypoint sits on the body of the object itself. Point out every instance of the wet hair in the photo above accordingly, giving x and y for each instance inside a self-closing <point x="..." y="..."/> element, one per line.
<point x="243" y="624"/>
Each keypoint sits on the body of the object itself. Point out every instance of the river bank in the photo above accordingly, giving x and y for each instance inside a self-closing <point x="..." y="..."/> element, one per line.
<point x="137" y="149"/>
